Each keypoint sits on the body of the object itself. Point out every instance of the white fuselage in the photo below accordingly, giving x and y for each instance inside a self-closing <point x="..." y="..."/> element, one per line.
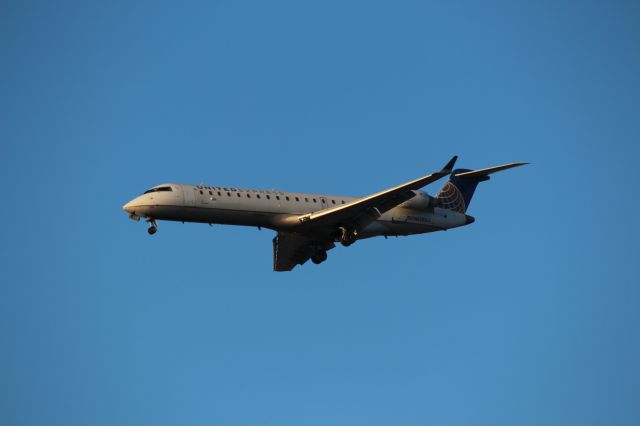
<point x="274" y="209"/>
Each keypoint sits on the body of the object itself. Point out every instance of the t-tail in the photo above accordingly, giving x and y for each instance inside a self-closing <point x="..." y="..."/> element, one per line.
<point x="456" y="194"/>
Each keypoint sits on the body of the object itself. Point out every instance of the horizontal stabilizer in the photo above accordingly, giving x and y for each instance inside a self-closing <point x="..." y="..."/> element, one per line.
<point x="478" y="174"/>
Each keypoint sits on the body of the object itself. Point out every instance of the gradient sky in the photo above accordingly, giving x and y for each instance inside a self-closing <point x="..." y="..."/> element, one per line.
<point x="529" y="316"/>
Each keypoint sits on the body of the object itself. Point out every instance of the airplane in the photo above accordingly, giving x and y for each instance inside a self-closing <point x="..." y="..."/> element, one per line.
<point x="309" y="225"/>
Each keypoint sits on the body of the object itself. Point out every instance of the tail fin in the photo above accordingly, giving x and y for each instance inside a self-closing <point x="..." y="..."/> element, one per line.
<point x="457" y="192"/>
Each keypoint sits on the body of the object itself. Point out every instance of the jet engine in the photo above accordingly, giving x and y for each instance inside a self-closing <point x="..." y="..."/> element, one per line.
<point x="422" y="201"/>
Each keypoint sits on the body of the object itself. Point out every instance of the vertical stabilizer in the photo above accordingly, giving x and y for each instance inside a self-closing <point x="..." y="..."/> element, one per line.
<point x="456" y="194"/>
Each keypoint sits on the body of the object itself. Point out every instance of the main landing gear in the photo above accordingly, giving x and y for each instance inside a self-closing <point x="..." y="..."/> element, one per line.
<point x="319" y="257"/>
<point x="153" y="227"/>
<point x="347" y="236"/>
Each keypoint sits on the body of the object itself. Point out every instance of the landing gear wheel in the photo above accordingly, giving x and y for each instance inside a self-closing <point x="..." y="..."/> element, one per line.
<point x="347" y="236"/>
<point x="319" y="257"/>
<point x="153" y="228"/>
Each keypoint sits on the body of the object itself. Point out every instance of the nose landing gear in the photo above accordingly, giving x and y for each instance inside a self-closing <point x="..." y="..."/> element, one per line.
<point x="153" y="227"/>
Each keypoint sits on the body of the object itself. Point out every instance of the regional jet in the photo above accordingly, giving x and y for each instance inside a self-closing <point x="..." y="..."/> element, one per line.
<point x="309" y="225"/>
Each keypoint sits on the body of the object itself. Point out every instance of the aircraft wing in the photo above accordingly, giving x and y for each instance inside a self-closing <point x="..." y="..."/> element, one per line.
<point x="291" y="249"/>
<point x="478" y="174"/>
<point x="375" y="204"/>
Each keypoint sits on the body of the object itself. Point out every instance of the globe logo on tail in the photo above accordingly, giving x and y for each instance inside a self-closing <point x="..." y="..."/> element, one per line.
<point x="450" y="198"/>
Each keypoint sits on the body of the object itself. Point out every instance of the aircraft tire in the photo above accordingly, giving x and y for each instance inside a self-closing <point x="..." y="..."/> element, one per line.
<point x="319" y="257"/>
<point x="347" y="236"/>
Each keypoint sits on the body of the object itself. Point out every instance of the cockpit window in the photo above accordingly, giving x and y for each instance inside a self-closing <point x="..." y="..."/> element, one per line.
<point x="160" y="189"/>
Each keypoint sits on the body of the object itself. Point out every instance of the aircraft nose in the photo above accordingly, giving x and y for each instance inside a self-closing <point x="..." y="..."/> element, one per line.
<point x="128" y="207"/>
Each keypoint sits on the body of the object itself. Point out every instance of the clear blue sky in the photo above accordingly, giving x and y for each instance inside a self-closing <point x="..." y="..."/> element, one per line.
<point x="529" y="317"/>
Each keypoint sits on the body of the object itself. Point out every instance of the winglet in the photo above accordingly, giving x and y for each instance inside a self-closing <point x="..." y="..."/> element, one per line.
<point x="449" y="167"/>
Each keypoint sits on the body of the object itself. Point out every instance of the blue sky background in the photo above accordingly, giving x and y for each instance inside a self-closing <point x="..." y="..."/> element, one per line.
<point x="530" y="316"/>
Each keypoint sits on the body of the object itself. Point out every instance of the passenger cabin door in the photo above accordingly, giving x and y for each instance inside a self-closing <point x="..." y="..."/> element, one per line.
<point x="188" y="195"/>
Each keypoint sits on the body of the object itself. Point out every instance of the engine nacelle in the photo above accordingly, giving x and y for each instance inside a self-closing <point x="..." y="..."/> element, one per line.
<point x="422" y="201"/>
